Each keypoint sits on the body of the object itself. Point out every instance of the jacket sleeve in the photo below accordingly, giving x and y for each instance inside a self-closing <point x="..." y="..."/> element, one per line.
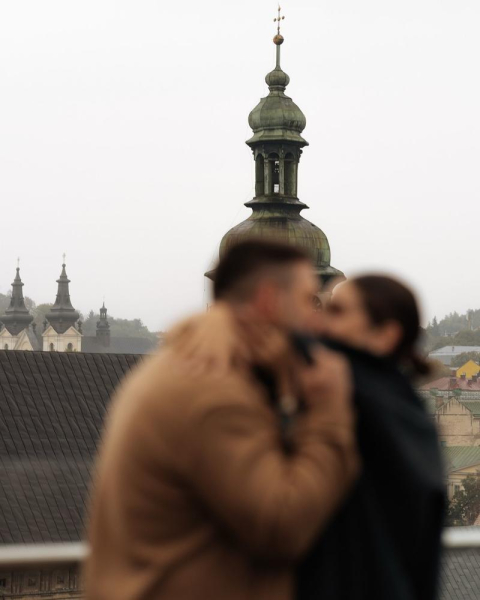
<point x="274" y="503"/>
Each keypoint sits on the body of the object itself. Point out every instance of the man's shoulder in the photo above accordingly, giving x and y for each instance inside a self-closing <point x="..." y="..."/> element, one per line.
<point x="169" y="379"/>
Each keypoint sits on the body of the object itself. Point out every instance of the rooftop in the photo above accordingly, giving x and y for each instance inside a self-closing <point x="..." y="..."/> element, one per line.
<point x="53" y="406"/>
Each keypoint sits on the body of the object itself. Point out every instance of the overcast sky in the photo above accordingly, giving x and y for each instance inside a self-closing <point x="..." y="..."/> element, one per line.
<point x="122" y="130"/>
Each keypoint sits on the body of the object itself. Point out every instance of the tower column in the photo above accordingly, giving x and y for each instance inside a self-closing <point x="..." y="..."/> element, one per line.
<point x="268" y="173"/>
<point x="281" y="176"/>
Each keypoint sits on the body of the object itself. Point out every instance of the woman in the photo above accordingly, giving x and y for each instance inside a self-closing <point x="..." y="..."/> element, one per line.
<point x="378" y="314"/>
<point x="385" y="542"/>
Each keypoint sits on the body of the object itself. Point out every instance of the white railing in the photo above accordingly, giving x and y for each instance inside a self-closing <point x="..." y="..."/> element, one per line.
<point x="26" y="555"/>
<point x="461" y="537"/>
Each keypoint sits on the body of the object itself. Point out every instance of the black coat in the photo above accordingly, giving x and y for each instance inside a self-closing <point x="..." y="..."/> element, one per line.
<point x="384" y="543"/>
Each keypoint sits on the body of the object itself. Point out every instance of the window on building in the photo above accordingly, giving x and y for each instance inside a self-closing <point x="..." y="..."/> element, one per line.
<point x="456" y="488"/>
<point x="290" y="175"/>
<point x="70" y="347"/>
<point x="273" y="174"/>
<point x="52" y="348"/>
<point x="276" y="177"/>
<point x="259" y="176"/>
<point x="3" y="582"/>
<point x="5" y="347"/>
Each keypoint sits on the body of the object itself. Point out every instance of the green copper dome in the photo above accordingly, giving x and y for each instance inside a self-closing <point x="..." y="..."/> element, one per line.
<point x="282" y="223"/>
<point x="277" y="117"/>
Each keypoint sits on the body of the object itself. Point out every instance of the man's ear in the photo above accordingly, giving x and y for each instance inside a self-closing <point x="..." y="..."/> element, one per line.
<point x="265" y="300"/>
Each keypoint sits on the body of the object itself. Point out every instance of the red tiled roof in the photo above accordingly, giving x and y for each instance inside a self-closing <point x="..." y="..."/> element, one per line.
<point x="452" y="383"/>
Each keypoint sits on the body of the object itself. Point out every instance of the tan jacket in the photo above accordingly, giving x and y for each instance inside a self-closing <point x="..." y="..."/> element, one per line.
<point x="195" y="497"/>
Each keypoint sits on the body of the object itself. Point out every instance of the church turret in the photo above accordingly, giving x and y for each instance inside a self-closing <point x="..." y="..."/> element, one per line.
<point x="103" y="328"/>
<point x="62" y="315"/>
<point x="16" y="317"/>
<point x="277" y="144"/>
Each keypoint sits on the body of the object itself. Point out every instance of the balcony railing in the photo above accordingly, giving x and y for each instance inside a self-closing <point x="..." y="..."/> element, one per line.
<point x="459" y="569"/>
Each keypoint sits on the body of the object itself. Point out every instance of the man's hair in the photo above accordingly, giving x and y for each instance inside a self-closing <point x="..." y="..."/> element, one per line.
<point x="247" y="263"/>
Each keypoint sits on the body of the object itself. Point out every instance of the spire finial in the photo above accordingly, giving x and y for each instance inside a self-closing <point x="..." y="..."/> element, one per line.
<point x="64" y="256"/>
<point x="278" y="19"/>
<point x="18" y="262"/>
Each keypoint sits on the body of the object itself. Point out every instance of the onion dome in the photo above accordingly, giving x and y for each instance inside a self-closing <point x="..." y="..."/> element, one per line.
<point x="276" y="117"/>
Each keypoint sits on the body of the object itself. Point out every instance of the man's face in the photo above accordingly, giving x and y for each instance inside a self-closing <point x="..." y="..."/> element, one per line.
<point x="291" y="305"/>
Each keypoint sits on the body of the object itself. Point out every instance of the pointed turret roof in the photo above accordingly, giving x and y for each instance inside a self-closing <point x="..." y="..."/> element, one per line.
<point x="16" y="317"/>
<point x="62" y="315"/>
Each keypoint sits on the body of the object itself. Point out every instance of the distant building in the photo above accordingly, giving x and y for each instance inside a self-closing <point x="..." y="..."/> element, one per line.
<point x="62" y="329"/>
<point x="448" y="353"/>
<point x="460" y="461"/>
<point x="454" y="404"/>
<point x="469" y="369"/>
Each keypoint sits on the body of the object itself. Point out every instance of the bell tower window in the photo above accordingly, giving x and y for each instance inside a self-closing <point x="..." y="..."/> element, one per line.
<point x="259" y="176"/>
<point x="273" y="174"/>
<point x="70" y="347"/>
<point x="52" y="348"/>
<point x="276" y="177"/>
<point x="290" y="175"/>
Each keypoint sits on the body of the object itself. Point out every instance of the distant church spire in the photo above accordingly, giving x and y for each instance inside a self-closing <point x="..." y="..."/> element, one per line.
<point x="16" y="317"/>
<point x="62" y="315"/>
<point x="103" y="327"/>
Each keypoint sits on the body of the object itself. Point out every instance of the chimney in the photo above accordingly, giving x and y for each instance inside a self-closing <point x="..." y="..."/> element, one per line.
<point x="463" y="376"/>
<point x="475" y="378"/>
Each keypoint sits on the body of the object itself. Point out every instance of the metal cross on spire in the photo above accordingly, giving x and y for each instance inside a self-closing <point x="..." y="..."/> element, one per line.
<point x="278" y="19"/>
<point x="64" y="257"/>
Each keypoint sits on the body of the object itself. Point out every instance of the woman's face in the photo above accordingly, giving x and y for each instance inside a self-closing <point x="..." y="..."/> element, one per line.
<point x="347" y="320"/>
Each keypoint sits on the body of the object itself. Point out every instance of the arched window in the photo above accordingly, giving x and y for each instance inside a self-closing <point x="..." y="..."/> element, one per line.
<point x="290" y="175"/>
<point x="273" y="173"/>
<point x="70" y="347"/>
<point x="5" y="347"/>
<point x="52" y="348"/>
<point x="259" y="176"/>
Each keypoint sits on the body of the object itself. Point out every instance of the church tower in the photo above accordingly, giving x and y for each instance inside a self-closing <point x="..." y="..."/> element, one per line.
<point x="16" y="320"/>
<point x="103" y="328"/>
<point x="277" y="144"/>
<point x="62" y="328"/>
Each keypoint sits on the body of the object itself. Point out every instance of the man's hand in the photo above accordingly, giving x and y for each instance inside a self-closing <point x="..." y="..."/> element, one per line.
<point x="327" y="381"/>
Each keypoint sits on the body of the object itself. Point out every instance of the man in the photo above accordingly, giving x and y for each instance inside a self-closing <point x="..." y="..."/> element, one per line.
<point x="197" y="495"/>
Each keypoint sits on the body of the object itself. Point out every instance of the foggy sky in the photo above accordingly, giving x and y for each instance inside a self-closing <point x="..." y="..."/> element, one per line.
<point x="122" y="130"/>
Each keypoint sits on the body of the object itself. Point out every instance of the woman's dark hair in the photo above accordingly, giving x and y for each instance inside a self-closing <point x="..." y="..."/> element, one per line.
<point x="386" y="299"/>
